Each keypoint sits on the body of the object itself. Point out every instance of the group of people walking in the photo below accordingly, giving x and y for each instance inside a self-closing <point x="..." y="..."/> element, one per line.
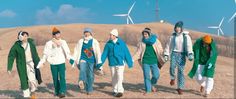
<point x="87" y="57"/>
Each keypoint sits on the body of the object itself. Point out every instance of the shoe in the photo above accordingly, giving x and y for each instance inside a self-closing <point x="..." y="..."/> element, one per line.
<point x="61" y="95"/>
<point x="205" y="95"/>
<point x="89" y="93"/>
<point x="154" y="89"/>
<point x="201" y="89"/>
<point x="81" y="84"/>
<point x="146" y="93"/>
<point x="172" y="82"/>
<point x="180" y="92"/>
<point x="118" y="95"/>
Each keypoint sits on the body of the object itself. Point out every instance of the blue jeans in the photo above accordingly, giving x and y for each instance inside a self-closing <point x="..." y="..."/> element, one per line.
<point x="86" y="75"/>
<point x="148" y="83"/>
<point x="179" y="60"/>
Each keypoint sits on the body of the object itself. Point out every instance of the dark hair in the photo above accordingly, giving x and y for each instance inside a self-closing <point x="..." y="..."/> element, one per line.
<point x="22" y="33"/>
<point x="147" y="30"/>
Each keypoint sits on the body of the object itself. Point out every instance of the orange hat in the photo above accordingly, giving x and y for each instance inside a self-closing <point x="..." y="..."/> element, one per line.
<point x="207" y="39"/>
<point x="55" y="31"/>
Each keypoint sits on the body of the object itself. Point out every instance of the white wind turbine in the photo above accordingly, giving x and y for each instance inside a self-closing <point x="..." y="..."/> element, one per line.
<point x="218" y="27"/>
<point x="234" y="15"/>
<point x="128" y="18"/>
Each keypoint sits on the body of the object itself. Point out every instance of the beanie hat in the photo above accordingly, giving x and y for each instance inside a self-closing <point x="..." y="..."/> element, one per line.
<point x="207" y="39"/>
<point x="88" y="30"/>
<point x="55" y="31"/>
<point x="114" y="32"/>
<point x="147" y="30"/>
<point x="179" y="24"/>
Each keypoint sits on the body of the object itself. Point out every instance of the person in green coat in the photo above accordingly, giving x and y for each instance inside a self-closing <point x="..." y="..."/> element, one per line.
<point x="203" y="70"/>
<point x="25" y="53"/>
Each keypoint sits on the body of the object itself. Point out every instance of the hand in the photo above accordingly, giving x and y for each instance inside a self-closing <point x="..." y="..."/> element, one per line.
<point x="98" y="66"/>
<point x="9" y="72"/>
<point x="166" y="58"/>
<point x="209" y="66"/>
<point x="190" y="57"/>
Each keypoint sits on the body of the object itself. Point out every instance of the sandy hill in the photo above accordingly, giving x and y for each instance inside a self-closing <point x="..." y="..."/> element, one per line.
<point x="133" y="78"/>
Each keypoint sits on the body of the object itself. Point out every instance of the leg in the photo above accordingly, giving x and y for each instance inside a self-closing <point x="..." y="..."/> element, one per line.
<point x="173" y="63"/>
<point x="114" y="79"/>
<point x="120" y="76"/>
<point x="62" y="81"/>
<point x="82" y="73"/>
<point x="155" y="76"/>
<point x="209" y="85"/>
<point x="54" y="70"/>
<point x="146" y="75"/>
<point x="31" y="76"/>
<point x="90" y="77"/>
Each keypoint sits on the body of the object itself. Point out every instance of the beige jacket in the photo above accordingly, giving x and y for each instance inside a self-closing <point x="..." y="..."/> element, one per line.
<point x="141" y="49"/>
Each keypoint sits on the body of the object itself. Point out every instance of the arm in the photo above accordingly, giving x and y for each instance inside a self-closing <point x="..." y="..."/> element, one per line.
<point x="11" y="58"/>
<point x="104" y="55"/>
<point x="98" y="52"/>
<point x="189" y="45"/>
<point x="67" y="50"/>
<point x="138" y="53"/>
<point x="128" y="57"/>
<point x="168" y="45"/>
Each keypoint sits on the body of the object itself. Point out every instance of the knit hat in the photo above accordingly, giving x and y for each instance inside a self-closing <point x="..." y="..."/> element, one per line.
<point x="114" y="32"/>
<point x="147" y="30"/>
<point x="88" y="30"/>
<point x="179" y="24"/>
<point x="55" y="31"/>
<point x="207" y="39"/>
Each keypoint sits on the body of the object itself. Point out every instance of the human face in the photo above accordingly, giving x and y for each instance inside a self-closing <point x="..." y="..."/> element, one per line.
<point x="25" y="38"/>
<point x="57" y="36"/>
<point x="178" y="29"/>
<point x="87" y="34"/>
<point x="145" y="35"/>
<point x="112" y="37"/>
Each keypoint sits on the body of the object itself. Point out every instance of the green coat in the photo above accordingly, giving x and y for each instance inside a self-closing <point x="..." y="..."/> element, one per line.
<point x="18" y="52"/>
<point x="206" y="72"/>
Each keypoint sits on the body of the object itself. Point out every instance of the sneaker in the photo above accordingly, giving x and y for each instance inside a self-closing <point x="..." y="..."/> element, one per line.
<point x="61" y="95"/>
<point x="172" y="82"/>
<point x="180" y="92"/>
<point x="146" y="93"/>
<point x="81" y="84"/>
<point x="118" y="95"/>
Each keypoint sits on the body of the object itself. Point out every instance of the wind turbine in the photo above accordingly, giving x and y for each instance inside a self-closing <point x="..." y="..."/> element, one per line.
<point x="234" y="15"/>
<point x="218" y="27"/>
<point x="128" y="18"/>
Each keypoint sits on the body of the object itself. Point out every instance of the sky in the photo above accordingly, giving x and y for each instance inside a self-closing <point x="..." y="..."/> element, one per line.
<point x="196" y="14"/>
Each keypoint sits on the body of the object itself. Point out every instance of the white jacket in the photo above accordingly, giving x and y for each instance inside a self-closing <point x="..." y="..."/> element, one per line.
<point x="177" y="45"/>
<point x="55" y="55"/>
<point x="78" y="48"/>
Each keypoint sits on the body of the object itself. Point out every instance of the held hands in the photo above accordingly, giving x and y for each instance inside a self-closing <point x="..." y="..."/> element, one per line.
<point x="166" y="58"/>
<point x="190" y="56"/>
<point x="9" y="72"/>
<point x="98" y="66"/>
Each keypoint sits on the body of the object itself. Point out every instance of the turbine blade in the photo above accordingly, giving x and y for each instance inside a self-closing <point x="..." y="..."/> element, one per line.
<point x="213" y="27"/>
<point x="122" y="15"/>
<point x="131" y="19"/>
<point x="232" y="17"/>
<point x="221" y="21"/>
<point x="130" y="9"/>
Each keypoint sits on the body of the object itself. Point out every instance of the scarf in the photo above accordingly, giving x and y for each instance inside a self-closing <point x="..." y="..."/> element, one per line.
<point x="151" y="40"/>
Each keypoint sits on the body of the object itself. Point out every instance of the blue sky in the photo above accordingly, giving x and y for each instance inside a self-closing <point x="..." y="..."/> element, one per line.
<point x="196" y="14"/>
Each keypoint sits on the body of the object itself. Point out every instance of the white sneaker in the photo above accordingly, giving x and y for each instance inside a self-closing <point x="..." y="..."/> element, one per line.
<point x="26" y="93"/>
<point x="81" y="84"/>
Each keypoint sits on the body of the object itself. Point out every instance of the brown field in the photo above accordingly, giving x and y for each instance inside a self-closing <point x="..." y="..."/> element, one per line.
<point x="133" y="78"/>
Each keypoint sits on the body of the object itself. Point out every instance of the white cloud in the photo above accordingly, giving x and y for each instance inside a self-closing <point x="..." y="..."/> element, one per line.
<point x="7" y="13"/>
<point x="65" y="14"/>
